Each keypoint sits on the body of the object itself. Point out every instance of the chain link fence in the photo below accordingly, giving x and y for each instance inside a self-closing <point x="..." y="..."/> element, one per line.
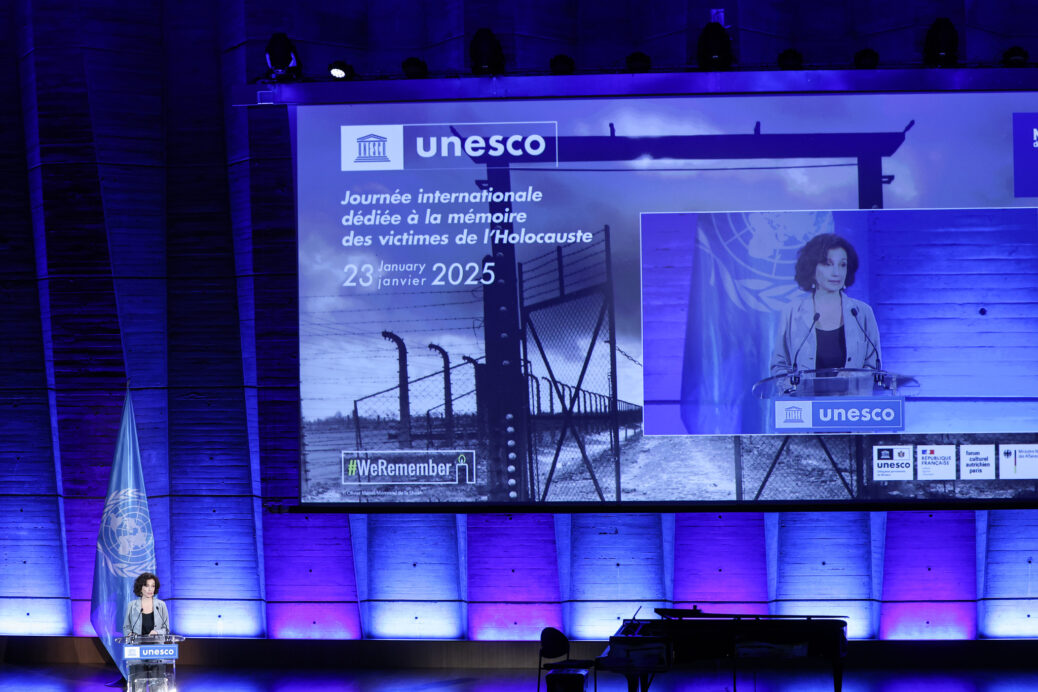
<point x="575" y="418"/>
<point x="815" y="467"/>
<point x="571" y="433"/>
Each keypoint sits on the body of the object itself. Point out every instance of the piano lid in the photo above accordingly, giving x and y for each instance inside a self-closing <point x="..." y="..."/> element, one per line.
<point x="694" y="612"/>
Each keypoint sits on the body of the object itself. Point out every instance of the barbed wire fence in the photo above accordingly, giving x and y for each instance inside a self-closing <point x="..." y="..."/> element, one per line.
<point x="442" y="412"/>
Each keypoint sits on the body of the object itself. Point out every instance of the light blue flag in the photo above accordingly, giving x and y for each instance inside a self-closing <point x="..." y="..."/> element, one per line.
<point x="125" y="543"/>
<point x="744" y="267"/>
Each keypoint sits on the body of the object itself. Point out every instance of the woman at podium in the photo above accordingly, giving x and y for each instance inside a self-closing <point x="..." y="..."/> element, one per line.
<point x="825" y="328"/>
<point x="146" y="614"/>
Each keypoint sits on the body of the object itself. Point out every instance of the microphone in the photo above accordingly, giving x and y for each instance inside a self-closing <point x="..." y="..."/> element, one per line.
<point x="133" y="625"/>
<point x="810" y="331"/>
<point x="878" y="378"/>
<point x="854" y="313"/>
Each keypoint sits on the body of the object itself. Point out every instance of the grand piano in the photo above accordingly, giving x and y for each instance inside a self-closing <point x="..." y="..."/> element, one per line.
<point x="642" y="648"/>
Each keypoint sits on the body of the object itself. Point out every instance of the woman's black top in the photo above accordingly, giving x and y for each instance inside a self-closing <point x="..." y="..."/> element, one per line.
<point x="147" y="622"/>
<point x="831" y="349"/>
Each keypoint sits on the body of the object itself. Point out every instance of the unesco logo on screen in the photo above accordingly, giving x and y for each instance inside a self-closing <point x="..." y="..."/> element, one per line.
<point x="468" y="145"/>
<point x="444" y="145"/>
<point x="476" y="146"/>
<point x="371" y="147"/>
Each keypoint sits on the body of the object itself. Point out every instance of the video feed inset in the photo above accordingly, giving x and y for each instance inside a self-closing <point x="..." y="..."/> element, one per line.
<point x="914" y="321"/>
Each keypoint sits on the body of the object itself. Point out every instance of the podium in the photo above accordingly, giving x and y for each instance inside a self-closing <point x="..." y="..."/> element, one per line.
<point x="151" y="661"/>
<point x="835" y="400"/>
<point x="832" y="382"/>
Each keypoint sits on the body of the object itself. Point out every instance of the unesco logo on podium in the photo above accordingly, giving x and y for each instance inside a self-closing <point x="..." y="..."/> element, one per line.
<point x="371" y="148"/>
<point x="794" y="414"/>
<point x="839" y="414"/>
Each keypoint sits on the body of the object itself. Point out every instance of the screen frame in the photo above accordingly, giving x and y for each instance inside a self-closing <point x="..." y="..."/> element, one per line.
<point x="626" y="85"/>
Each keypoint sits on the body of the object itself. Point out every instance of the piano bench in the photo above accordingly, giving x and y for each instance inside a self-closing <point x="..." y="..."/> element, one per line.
<point x="566" y="680"/>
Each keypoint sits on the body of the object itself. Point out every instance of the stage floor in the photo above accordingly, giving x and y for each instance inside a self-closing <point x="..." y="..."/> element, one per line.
<point x="79" y="678"/>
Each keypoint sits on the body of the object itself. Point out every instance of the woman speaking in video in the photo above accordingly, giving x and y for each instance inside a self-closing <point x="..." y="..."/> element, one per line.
<point x="824" y="328"/>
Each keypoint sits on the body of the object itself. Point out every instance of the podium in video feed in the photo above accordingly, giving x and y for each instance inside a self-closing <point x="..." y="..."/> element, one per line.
<point x="835" y="400"/>
<point x="151" y="661"/>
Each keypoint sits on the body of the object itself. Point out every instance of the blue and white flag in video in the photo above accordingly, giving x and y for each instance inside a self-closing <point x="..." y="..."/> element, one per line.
<point x="742" y="277"/>
<point x="125" y="543"/>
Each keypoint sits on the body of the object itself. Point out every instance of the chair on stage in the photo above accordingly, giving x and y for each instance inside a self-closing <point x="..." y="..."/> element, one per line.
<point x="564" y="674"/>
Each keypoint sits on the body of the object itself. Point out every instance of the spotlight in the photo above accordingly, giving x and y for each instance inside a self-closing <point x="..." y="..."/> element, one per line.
<point x="1015" y="56"/>
<point x="562" y="64"/>
<point x="415" y="68"/>
<point x="485" y="53"/>
<point x="714" y="48"/>
<point x="282" y="60"/>
<point x="341" y="70"/>
<point x="790" y="59"/>
<point x="942" y="44"/>
<point x="866" y="59"/>
<point x="638" y="62"/>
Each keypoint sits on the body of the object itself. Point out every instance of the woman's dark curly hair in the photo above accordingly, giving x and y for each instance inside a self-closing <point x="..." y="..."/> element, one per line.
<point x="140" y="581"/>
<point x="816" y="251"/>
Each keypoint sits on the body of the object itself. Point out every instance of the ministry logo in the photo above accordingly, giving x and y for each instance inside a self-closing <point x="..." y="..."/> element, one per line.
<point x="125" y="540"/>
<point x="1025" y="154"/>
<point x="371" y="147"/>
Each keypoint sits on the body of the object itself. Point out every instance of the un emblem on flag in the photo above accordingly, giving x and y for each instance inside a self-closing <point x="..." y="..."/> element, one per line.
<point x="752" y="256"/>
<point x="125" y="540"/>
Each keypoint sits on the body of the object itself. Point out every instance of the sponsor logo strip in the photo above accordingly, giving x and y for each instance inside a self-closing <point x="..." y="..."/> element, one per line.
<point x="936" y="462"/>
<point x="1018" y="462"/>
<point x="892" y="463"/>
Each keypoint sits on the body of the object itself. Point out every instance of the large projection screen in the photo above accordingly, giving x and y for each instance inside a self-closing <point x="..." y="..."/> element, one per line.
<point x="596" y="300"/>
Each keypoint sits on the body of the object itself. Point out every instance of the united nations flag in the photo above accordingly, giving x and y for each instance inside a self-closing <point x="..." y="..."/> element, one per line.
<point x="125" y="544"/>
<point x="743" y="275"/>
